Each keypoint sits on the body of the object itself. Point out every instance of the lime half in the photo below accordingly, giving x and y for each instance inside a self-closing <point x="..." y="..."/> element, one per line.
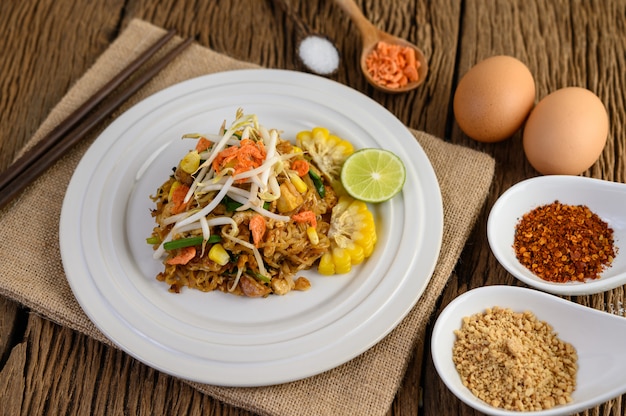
<point x="373" y="175"/>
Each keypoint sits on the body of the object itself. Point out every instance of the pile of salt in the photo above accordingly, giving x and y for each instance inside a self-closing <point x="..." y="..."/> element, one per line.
<point x="319" y="54"/>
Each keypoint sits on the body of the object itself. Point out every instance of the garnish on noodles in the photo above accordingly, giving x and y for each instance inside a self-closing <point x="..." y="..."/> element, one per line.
<point x="245" y="211"/>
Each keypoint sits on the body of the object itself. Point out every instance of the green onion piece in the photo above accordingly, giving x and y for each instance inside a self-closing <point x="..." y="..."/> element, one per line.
<point x="153" y="240"/>
<point x="183" y="242"/>
<point x="258" y="276"/>
<point x="215" y="238"/>
<point x="190" y="241"/>
<point x="232" y="205"/>
<point x="317" y="181"/>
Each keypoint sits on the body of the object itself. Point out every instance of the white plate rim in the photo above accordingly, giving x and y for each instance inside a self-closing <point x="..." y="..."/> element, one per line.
<point x="95" y="297"/>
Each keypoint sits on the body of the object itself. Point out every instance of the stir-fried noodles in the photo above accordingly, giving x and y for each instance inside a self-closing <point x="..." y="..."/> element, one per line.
<point x="243" y="213"/>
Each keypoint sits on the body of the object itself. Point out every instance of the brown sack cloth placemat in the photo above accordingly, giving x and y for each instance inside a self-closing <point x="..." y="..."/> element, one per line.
<point x="33" y="273"/>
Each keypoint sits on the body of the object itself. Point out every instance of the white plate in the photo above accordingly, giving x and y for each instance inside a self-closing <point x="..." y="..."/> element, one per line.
<point x="222" y="339"/>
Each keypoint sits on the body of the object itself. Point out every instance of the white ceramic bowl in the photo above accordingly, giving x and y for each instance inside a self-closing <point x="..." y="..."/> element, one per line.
<point x="606" y="199"/>
<point x="599" y="339"/>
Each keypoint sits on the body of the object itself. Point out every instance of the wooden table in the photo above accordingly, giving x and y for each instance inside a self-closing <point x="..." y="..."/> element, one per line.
<point x="48" y="44"/>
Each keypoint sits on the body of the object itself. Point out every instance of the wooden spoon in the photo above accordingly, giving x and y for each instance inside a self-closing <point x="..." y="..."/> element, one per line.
<point x="371" y="35"/>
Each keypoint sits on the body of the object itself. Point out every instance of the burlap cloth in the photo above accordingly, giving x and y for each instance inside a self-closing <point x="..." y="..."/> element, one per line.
<point x="33" y="274"/>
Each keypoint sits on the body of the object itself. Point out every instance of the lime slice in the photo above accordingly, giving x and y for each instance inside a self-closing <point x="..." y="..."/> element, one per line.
<point x="373" y="175"/>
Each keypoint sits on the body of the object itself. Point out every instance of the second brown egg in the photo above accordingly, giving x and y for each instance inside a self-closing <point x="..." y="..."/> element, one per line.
<point x="494" y="98"/>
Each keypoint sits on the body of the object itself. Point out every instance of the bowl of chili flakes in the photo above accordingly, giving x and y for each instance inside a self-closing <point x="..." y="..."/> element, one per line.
<point x="561" y="234"/>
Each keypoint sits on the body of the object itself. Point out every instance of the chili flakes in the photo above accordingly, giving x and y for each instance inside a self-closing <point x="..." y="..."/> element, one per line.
<point x="562" y="243"/>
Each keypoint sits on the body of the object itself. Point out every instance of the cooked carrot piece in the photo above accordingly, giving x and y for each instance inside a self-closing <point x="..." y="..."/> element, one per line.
<point x="257" y="227"/>
<point x="305" y="216"/>
<point x="178" y="198"/>
<point x="248" y="155"/>
<point x="301" y="167"/>
<point x="184" y="256"/>
<point x="203" y="144"/>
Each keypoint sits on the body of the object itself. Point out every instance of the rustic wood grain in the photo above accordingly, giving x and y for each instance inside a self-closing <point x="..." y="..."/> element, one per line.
<point x="47" y="45"/>
<point x="564" y="44"/>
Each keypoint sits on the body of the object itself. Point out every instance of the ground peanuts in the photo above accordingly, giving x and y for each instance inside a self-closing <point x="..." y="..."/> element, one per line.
<point x="514" y="361"/>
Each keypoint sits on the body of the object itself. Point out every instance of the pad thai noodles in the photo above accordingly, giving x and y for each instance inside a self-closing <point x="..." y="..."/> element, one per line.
<point x="245" y="211"/>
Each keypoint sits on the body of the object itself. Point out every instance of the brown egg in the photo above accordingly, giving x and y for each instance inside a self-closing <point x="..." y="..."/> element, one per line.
<point x="566" y="132"/>
<point x="494" y="98"/>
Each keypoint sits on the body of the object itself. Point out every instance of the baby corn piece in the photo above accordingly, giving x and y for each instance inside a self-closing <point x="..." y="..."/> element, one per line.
<point x="190" y="162"/>
<point x="352" y="234"/>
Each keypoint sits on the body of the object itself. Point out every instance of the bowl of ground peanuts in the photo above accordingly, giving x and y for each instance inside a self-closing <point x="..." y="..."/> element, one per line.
<point x="506" y="350"/>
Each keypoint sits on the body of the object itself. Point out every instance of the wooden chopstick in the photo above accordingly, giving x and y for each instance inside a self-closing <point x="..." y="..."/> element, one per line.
<point x="35" y="161"/>
<point x="70" y="122"/>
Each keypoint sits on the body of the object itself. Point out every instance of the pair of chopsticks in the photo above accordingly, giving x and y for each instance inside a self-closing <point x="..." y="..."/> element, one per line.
<point x="71" y="130"/>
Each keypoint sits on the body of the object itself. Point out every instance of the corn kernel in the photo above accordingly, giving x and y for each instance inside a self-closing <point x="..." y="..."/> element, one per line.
<point x="314" y="238"/>
<point x="299" y="184"/>
<point x="365" y="235"/>
<point x="332" y="140"/>
<point x="368" y="248"/>
<point x="303" y="136"/>
<point x="360" y="206"/>
<point x="342" y="260"/>
<point x="320" y="132"/>
<point x="357" y="254"/>
<point x="326" y="265"/>
<point x="218" y="254"/>
<point x="346" y="148"/>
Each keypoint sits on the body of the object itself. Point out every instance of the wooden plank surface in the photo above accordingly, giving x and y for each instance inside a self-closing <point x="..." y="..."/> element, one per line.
<point x="47" y="45"/>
